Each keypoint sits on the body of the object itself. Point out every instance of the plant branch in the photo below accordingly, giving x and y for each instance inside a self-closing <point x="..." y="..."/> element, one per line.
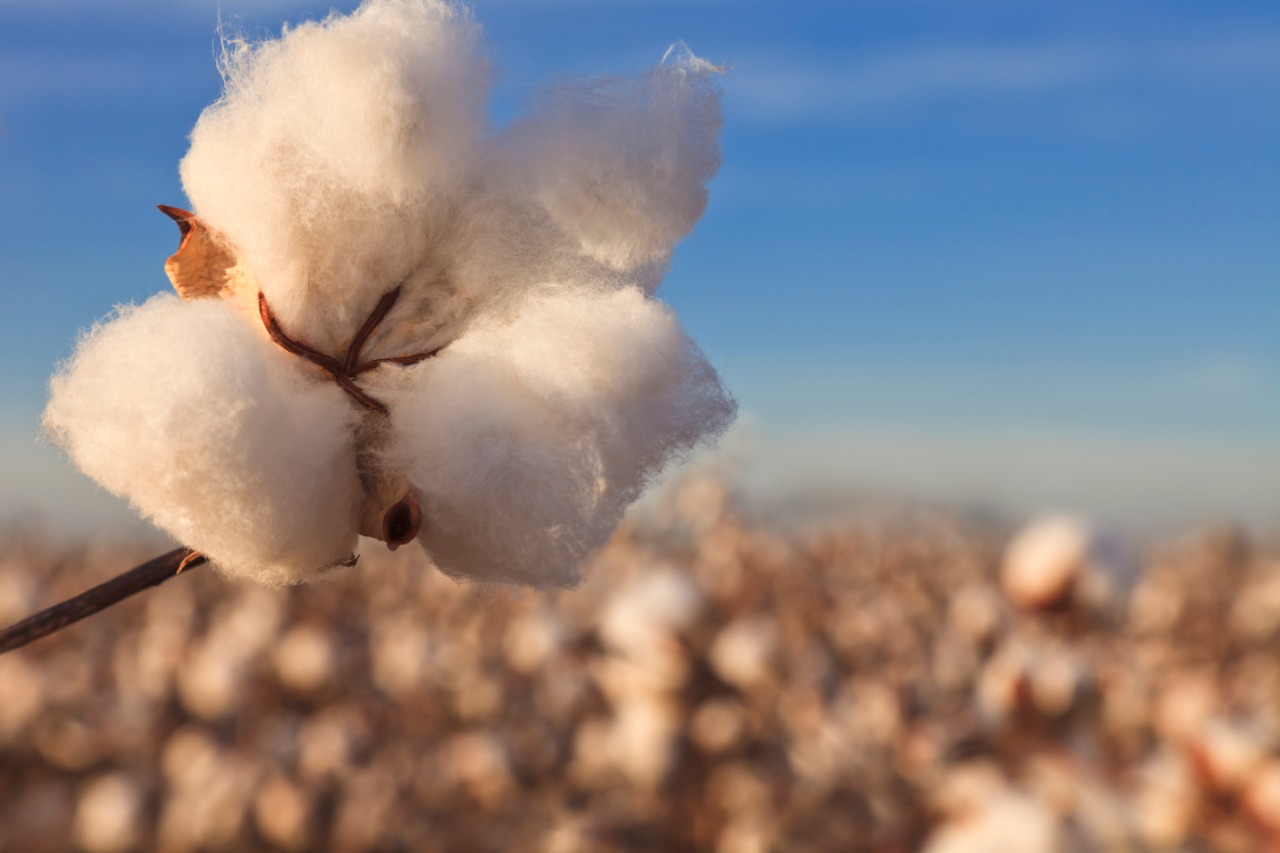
<point x="343" y="372"/>
<point x="149" y="574"/>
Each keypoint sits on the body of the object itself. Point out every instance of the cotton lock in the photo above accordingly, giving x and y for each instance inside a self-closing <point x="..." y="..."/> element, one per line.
<point x="393" y="321"/>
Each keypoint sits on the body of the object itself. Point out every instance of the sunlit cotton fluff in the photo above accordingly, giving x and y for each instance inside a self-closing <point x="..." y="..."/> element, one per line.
<point x="346" y="167"/>
<point x="528" y="439"/>
<point x="334" y="160"/>
<point x="621" y="165"/>
<point x="214" y="434"/>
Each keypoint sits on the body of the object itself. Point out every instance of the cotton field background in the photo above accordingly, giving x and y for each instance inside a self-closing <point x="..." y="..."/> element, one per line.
<point x="914" y="681"/>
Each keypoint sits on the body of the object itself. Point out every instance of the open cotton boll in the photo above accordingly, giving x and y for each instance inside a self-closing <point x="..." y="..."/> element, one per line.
<point x="622" y="165"/>
<point x="330" y="158"/>
<point x="400" y="327"/>
<point x="526" y="440"/>
<point x="215" y="435"/>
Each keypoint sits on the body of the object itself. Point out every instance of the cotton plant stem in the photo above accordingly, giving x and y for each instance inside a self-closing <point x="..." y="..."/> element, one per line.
<point x="149" y="574"/>
<point x="345" y="371"/>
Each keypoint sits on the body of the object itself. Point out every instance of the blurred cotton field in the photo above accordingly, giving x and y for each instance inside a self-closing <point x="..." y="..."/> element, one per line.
<point x="917" y="681"/>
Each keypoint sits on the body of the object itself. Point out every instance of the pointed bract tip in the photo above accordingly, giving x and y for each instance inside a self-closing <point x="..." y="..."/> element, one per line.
<point x="178" y="215"/>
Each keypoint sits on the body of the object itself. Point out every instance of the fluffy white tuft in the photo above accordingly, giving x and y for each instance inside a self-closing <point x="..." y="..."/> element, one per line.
<point x="347" y="159"/>
<point x="331" y="159"/>
<point x="215" y="435"/>
<point x="528" y="439"/>
<point x="622" y="165"/>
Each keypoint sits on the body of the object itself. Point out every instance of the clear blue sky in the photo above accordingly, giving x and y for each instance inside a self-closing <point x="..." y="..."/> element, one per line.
<point x="1009" y="254"/>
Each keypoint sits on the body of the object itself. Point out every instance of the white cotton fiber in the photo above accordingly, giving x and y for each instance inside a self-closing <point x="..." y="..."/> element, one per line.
<point x="331" y="158"/>
<point x="345" y="164"/>
<point x="527" y="440"/>
<point x="622" y="165"/>
<point x="214" y="434"/>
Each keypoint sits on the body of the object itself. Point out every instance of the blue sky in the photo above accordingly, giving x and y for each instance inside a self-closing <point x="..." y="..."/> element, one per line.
<point x="1001" y="254"/>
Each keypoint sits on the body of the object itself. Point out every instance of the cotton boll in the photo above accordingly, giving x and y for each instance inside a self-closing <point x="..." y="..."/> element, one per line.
<point x="305" y="659"/>
<point x="1006" y="821"/>
<point x="282" y="812"/>
<point x="216" y="435"/>
<point x="622" y="165"/>
<point x="741" y="653"/>
<point x="348" y="201"/>
<point x="527" y="440"/>
<point x="24" y="697"/>
<point x="1227" y="753"/>
<point x="1059" y="562"/>
<point x="331" y="157"/>
<point x="109" y="814"/>
<point x="1262" y="795"/>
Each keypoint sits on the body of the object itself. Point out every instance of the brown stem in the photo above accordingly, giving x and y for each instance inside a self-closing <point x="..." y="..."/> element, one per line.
<point x="149" y="574"/>
<point x="380" y="311"/>
<point x="343" y="372"/>
<point x="288" y="344"/>
<point x="357" y="393"/>
<point x="395" y="359"/>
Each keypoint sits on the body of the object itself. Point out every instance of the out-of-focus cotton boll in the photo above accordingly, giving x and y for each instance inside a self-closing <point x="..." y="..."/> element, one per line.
<point x="1009" y="822"/>
<point x="527" y="440"/>
<point x="304" y="659"/>
<point x="648" y="611"/>
<point x="1262" y="796"/>
<point x="741" y="653"/>
<point x="1045" y="561"/>
<point x="331" y="158"/>
<point x="282" y="811"/>
<point x="622" y="165"/>
<point x="1226" y="753"/>
<point x="1057" y="561"/>
<point x="24" y="696"/>
<point x="109" y="815"/>
<point x="215" y="435"/>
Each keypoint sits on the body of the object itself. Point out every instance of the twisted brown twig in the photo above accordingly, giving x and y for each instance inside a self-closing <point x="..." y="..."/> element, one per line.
<point x="149" y="574"/>
<point x="345" y="371"/>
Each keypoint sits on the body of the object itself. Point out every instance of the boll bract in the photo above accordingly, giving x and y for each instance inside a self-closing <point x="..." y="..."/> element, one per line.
<point x="392" y="323"/>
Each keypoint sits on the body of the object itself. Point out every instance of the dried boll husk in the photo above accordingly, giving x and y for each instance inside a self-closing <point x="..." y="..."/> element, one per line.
<point x="393" y="326"/>
<point x="205" y="265"/>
